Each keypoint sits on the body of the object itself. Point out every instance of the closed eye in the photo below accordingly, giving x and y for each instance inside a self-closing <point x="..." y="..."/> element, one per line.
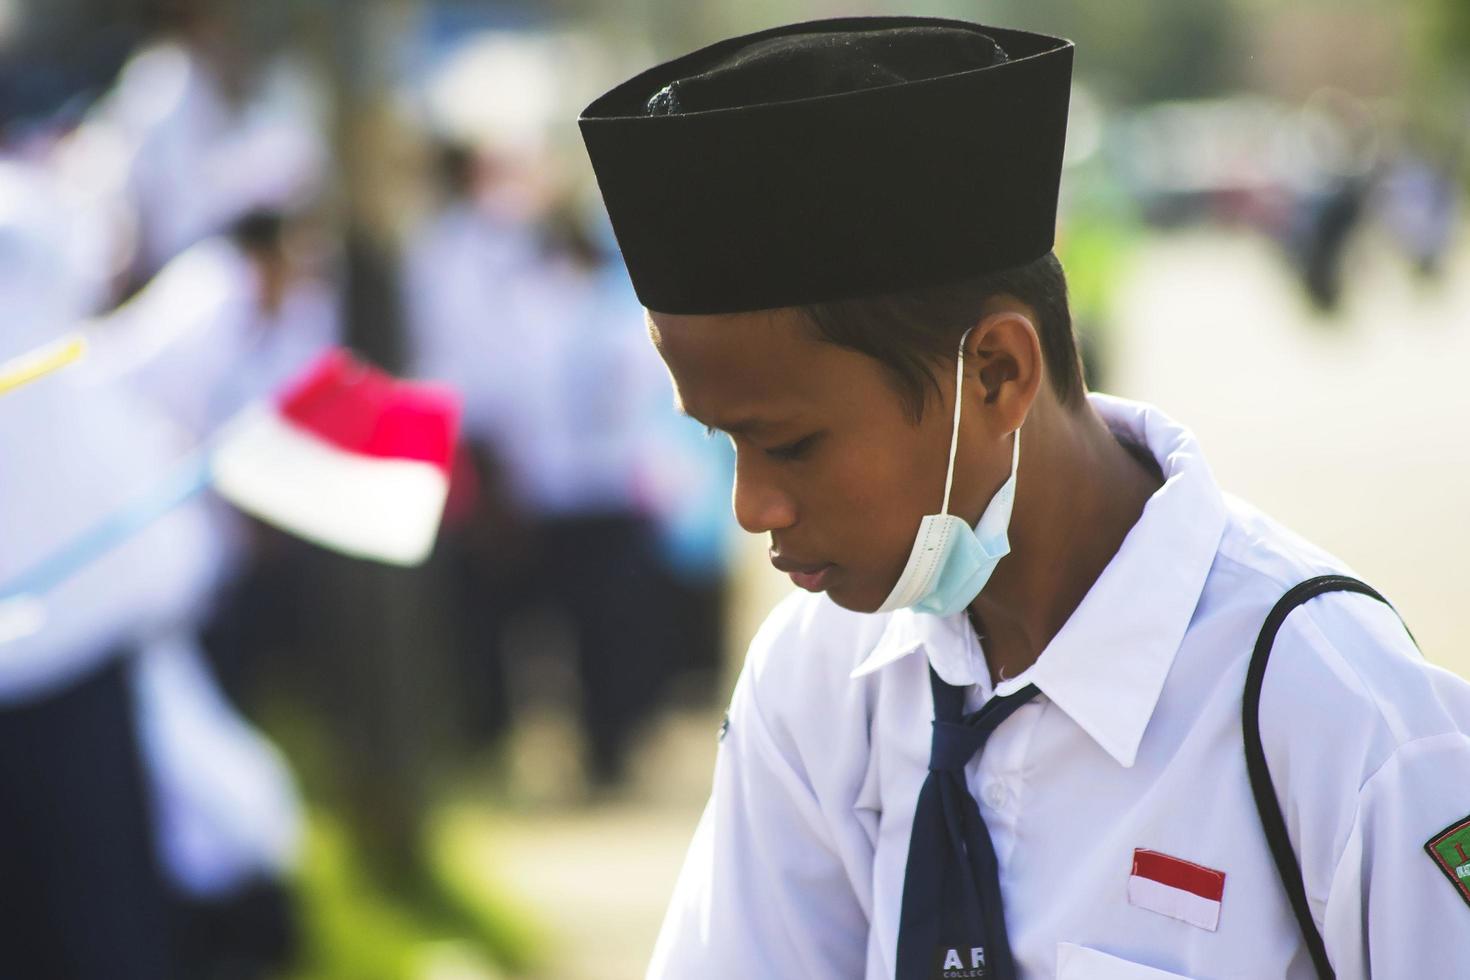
<point x="793" y="451"/>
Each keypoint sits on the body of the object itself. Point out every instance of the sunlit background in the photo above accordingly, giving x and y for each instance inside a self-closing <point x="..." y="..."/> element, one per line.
<point x="489" y="766"/>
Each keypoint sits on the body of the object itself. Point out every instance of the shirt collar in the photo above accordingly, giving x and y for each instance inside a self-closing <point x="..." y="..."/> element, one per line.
<point x="1107" y="665"/>
<point x="953" y="650"/>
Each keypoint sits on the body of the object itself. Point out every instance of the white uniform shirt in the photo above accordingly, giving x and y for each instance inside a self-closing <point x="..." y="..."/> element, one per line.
<point x="581" y="428"/>
<point x="73" y="452"/>
<point x="198" y="344"/>
<point x="552" y="358"/>
<point x="194" y="161"/>
<point x="797" y="867"/>
<point x="458" y="270"/>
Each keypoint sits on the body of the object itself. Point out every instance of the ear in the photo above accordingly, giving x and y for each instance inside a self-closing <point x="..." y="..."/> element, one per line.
<point x="1003" y="367"/>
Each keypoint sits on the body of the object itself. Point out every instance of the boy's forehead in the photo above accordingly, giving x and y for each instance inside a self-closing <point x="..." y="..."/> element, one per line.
<point x="771" y="338"/>
<point x="767" y="366"/>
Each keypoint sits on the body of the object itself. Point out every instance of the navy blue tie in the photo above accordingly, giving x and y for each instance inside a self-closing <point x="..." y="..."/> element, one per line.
<point x="952" y="924"/>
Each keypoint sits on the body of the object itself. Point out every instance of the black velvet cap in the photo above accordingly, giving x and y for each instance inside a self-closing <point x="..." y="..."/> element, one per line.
<point x="833" y="159"/>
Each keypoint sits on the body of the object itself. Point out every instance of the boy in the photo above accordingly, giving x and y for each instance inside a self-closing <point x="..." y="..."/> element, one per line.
<point x="1003" y="738"/>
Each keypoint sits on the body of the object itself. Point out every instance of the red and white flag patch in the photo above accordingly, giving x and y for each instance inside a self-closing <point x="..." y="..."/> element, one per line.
<point x="1177" y="888"/>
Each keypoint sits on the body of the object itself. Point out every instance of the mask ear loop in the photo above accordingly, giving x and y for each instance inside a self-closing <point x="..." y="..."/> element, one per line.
<point x="954" y="438"/>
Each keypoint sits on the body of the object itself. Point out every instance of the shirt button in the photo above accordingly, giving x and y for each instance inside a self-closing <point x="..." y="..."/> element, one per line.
<point x="996" y="795"/>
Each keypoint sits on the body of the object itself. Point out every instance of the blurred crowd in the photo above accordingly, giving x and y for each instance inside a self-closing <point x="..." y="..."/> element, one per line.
<point x="182" y="198"/>
<point x="1312" y="178"/>
<point x="183" y="219"/>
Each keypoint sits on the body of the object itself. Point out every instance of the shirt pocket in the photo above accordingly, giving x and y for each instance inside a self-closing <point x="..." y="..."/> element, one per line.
<point x="1081" y="963"/>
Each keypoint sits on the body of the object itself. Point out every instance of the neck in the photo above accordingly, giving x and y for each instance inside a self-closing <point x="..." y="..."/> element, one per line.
<point x="1077" y="495"/>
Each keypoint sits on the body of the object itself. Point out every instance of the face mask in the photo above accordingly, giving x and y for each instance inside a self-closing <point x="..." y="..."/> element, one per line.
<point x="951" y="562"/>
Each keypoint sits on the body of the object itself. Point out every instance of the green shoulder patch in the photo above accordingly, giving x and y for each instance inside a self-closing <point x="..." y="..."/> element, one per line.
<point x="1450" y="849"/>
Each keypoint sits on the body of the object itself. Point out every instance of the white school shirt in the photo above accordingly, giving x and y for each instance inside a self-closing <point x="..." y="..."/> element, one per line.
<point x="553" y="359"/>
<point x="193" y="160"/>
<point x="72" y="453"/>
<point x="458" y="269"/>
<point x="797" y="866"/>
<point x="197" y="344"/>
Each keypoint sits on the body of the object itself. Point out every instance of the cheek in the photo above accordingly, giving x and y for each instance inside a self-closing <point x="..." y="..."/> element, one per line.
<point x="889" y="480"/>
<point x="874" y="500"/>
<point x="880" y="502"/>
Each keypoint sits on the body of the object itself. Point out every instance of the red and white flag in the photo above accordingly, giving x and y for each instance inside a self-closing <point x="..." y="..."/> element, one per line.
<point x="1177" y="888"/>
<point x="347" y="457"/>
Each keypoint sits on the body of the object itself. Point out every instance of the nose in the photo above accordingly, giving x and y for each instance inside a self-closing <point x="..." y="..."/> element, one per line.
<point x="760" y="504"/>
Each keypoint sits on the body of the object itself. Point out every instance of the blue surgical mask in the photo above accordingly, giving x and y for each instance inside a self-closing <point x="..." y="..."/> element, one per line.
<point x="951" y="561"/>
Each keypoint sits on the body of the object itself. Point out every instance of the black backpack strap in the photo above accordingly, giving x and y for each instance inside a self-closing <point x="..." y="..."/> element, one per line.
<point x="1267" y="805"/>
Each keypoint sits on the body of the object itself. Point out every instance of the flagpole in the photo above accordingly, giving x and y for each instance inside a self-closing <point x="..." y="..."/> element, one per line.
<point x="40" y="362"/>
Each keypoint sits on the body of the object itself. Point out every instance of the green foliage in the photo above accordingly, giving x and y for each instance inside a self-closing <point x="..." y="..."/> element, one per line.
<point x="352" y="931"/>
<point x="355" y="930"/>
<point x="1147" y="49"/>
<point x="445" y="917"/>
<point x="1447" y="34"/>
<point x="468" y="896"/>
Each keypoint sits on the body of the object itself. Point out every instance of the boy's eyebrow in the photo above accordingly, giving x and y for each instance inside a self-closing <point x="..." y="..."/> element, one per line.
<point x="736" y="427"/>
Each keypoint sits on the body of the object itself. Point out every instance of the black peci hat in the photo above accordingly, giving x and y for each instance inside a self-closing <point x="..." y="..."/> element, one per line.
<point x="831" y="160"/>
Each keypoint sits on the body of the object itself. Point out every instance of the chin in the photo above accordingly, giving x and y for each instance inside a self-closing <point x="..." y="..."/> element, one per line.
<point x="855" y="600"/>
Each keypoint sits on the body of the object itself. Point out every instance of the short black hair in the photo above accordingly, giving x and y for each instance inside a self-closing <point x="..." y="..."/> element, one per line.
<point x="455" y="164"/>
<point x="912" y="331"/>
<point x="260" y="232"/>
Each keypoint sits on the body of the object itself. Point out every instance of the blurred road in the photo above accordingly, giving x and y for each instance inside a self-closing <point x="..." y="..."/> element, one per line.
<point x="1354" y="431"/>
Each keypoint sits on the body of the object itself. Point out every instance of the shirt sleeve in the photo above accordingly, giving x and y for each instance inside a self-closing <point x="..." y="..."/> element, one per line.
<point x="763" y="892"/>
<point x="1394" y="909"/>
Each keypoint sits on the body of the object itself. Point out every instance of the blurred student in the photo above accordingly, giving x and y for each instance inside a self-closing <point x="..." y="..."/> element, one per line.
<point x="221" y="327"/>
<point x="207" y="129"/>
<point x="458" y="266"/>
<point x="543" y="335"/>
<point x="1419" y="200"/>
<point x="585" y="410"/>
<point x="134" y="804"/>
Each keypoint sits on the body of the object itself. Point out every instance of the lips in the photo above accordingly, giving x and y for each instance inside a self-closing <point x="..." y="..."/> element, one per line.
<point x="811" y="576"/>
